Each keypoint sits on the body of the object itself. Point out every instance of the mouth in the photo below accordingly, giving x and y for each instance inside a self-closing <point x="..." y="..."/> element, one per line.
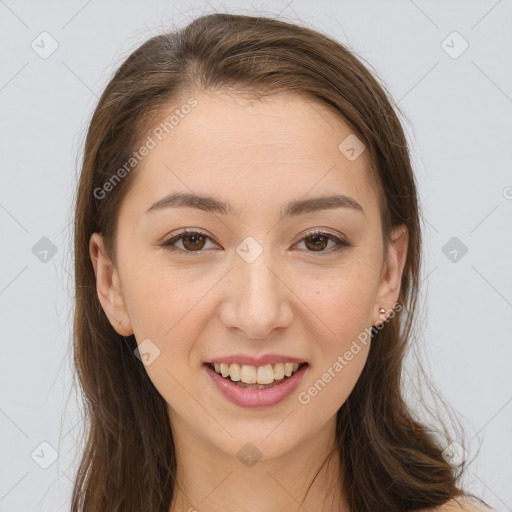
<point x="255" y="387"/>
<point x="256" y="377"/>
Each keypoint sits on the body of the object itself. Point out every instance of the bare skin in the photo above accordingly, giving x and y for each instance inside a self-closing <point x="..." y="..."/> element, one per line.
<point x="298" y="298"/>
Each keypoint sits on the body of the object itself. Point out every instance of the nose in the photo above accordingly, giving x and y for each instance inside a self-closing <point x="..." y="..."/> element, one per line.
<point x="257" y="298"/>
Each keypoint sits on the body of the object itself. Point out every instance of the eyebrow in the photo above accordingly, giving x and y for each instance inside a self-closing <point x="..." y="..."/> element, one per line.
<point x="291" y="209"/>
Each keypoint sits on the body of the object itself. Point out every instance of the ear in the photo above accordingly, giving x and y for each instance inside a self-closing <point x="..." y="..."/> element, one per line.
<point x="108" y="287"/>
<point x="391" y="276"/>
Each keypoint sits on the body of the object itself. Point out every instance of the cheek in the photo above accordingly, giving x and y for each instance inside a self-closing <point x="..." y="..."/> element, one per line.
<point x="161" y="299"/>
<point x="346" y="305"/>
<point x="165" y="307"/>
<point x="347" y="311"/>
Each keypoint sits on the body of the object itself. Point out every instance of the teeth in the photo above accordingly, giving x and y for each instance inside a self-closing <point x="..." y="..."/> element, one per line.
<point x="279" y="371"/>
<point x="265" y="374"/>
<point x="224" y="369"/>
<point x="249" y="374"/>
<point x="235" y="372"/>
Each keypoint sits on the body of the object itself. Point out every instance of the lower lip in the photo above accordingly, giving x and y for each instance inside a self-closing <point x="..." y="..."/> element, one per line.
<point x="256" y="398"/>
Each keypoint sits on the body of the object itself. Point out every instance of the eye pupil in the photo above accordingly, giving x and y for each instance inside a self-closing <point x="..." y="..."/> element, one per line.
<point x="193" y="237"/>
<point x="315" y="244"/>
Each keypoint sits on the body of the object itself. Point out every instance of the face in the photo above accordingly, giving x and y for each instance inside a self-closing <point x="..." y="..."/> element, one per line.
<point x="254" y="280"/>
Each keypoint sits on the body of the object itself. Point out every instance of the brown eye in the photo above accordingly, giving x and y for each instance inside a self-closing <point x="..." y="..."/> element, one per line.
<point x="191" y="241"/>
<point x="319" y="241"/>
<point x="196" y="242"/>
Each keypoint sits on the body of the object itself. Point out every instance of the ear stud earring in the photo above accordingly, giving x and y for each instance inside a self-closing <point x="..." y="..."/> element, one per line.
<point x="381" y="312"/>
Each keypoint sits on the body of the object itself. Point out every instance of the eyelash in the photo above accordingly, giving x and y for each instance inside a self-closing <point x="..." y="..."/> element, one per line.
<point x="184" y="233"/>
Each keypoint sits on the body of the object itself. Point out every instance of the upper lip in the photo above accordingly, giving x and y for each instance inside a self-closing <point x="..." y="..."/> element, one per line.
<point x="256" y="361"/>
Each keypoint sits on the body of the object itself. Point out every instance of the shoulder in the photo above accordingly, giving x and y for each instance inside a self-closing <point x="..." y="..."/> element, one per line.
<point x="460" y="505"/>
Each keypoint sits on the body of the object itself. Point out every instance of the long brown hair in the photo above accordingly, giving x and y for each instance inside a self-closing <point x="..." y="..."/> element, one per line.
<point x="391" y="461"/>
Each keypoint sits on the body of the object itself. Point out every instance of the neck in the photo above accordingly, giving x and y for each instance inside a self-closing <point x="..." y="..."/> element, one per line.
<point x="306" y="478"/>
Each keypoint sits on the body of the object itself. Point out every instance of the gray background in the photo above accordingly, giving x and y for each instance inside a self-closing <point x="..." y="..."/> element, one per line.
<point x="459" y="122"/>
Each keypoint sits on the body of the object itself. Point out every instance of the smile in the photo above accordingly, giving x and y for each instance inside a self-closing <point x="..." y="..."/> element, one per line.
<point x="256" y="386"/>
<point x="249" y="374"/>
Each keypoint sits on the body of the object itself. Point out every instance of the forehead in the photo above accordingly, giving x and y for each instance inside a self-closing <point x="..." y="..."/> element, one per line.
<point x="254" y="153"/>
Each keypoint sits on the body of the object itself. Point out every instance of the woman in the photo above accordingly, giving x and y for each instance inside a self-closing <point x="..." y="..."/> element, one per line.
<point x="248" y="247"/>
